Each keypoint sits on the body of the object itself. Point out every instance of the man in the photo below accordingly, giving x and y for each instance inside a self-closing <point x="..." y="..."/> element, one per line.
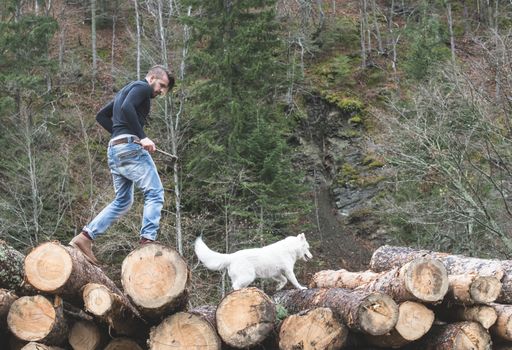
<point x="129" y="160"/>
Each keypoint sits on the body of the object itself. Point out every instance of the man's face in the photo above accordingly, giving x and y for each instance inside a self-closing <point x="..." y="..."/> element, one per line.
<point x="160" y="85"/>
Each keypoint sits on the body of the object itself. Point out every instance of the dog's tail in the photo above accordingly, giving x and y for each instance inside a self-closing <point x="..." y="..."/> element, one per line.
<point x="212" y="260"/>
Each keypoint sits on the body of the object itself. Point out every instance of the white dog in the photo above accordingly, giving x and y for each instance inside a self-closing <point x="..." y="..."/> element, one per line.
<point x="274" y="261"/>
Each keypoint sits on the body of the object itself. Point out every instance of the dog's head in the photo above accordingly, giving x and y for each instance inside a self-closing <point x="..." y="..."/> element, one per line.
<point x="303" y="247"/>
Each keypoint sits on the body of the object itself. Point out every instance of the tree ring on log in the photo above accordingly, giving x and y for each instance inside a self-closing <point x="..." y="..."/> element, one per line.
<point x="123" y="344"/>
<point x="245" y="317"/>
<point x="484" y="289"/>
<point x="414" y="320"/>
<point x="84" y="335"/>
<point x="150" y="278"/>
<point x="49" y="266"/>
<point x="377" y="314"/>
<point x="97" y="299"/>
<point x="427" y="279"/>
<point x="185" y="331"/>
<point x="31" y="318"/>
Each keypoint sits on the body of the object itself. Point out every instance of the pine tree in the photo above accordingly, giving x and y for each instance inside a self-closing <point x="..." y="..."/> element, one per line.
<point x="239" y="159"/>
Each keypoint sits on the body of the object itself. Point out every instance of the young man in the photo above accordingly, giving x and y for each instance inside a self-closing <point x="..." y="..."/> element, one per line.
<point x="129" y="159"/>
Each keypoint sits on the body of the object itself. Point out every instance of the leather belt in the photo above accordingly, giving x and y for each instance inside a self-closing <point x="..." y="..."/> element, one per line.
<point x="124" y="140"/>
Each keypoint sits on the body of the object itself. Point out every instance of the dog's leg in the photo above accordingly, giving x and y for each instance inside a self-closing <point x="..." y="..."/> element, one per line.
<point x="240" y="279"/>
<point x="291" y="277"/>
<point x="282" y="281"/>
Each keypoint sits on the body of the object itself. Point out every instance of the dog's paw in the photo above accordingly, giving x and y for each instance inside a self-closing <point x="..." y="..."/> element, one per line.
<point x="302" y="288"/>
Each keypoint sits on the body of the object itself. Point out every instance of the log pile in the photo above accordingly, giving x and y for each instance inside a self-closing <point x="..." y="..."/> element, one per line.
<point x="53" y="298"/>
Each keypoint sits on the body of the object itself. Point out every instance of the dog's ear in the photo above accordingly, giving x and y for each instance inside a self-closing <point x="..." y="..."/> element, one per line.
<point x="301" y="236"/>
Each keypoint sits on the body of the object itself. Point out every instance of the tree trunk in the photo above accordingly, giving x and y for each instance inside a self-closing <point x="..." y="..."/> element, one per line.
<point x="245" y="317"/>
<point x="414" y="321"/>
<point x="185" y="330"/>
<point x="422" y="279"/>
<point x="473" y="289"/>
<point x="388" y="257"/>
<point x="57" y="269"/>
<point x="315" y="329"/>
<point x="6" y="299"/>
<point x="114" y="310"/>
<point x="84" y="335"/>
<point x="456" y="336"/>
<point x="123" y="344"/>
<point x="93" y="43"/>
<point x="11" y="270"/>
<point x="35" y="318"/>
<point x="503" y="326"/>
<point x="156" y="277"/>
<point x="483" y="314"/>
<point x="365" y="312"/>
<point x="342" y="279"/>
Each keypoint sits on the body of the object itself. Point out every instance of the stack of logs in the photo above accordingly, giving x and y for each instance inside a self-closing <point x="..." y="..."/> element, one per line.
<point x="410" y="299"/>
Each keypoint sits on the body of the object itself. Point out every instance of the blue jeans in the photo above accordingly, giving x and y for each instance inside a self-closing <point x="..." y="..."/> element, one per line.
<point x="131" y="165"/>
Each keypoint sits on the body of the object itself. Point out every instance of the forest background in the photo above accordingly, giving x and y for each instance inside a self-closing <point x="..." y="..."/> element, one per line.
<point x="358" y="122"/>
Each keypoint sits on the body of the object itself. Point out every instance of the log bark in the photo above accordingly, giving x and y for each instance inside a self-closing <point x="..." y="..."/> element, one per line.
<point x="360" y="311"/>
<point x="456" y="336"/>
<point x="414" y="321"/>
<point x="421" y="279"/>
<point x="483" y="314"/>
<point x="54" y="268"/>
<point x="245" y="317"/>
<point x="470" y="289"/>
<point x="85" y="335"/>
<point x="6" y="299"/>
<point x="315" y="329"/>
<point x="505" y="296"/>
<point x="184" y="330"/>
<point x="388" y="257"/>
<point x="11" y="270"/>
<point x="35" y="318"/>
<point x="115" y="311"/>
<point x="502" y="328"/>
<point x="39" y="346"/>
<point x="123" y="344"/>
<point x="342" y="279"/>
<point x="156" y="277"/>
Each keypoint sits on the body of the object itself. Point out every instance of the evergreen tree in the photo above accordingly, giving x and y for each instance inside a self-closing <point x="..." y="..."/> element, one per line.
<point x="239" y="159"/>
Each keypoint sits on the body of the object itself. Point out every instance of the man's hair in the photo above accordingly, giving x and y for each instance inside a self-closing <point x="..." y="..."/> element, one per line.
<point x="159" y="71"/>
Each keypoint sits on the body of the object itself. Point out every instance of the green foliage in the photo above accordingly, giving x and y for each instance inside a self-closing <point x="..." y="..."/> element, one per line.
<point x="427" y="47"/>
<point x="238" y="159"/>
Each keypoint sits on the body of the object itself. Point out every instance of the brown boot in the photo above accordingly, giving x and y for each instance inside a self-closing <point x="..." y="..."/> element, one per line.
<point x="84" y="244"/>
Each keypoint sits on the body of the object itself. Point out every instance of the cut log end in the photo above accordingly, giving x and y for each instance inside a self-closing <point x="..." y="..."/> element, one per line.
<point x="485" y="289"/>
<point x="39" y="346"/>
<point x="315" y="329"/>
<point x="472" y="336"/>
<point x="48" y="266"/>
<point x="84" y="335"/>
<point x="31" y="318"/>
<point x="123" y="344"/>
<point x="184" y="331"/>
<point x="378" y="314"/>
<point x="153" y="275"/>
<point x="245" y="317"/>
<point x="427" y="279"/>
<point x="414" y="320"/>
<point x="97" y="299"/>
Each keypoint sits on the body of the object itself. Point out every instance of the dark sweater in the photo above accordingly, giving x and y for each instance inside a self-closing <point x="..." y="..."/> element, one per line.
<point x="127" y="112"/>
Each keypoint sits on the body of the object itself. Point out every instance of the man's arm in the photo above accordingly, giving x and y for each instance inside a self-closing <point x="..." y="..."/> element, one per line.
<point x="104" y="117"/>
<point x="135" y="97"/>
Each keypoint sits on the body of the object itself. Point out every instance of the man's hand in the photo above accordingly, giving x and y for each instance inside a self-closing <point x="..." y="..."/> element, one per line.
<point x="148" y="145"/>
